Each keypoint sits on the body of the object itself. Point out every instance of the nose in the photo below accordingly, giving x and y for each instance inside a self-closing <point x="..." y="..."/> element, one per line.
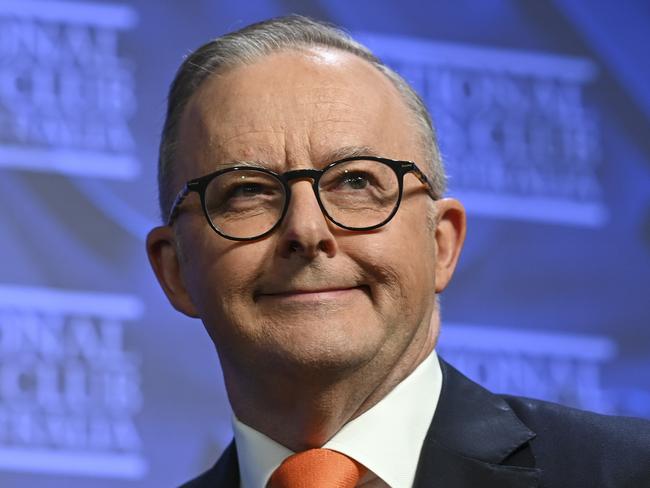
<point x="305" y="231"/>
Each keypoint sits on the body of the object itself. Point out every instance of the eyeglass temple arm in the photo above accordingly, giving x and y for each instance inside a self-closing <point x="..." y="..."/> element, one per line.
<point x="177" y="202"/>
<point x="411" y="167"/>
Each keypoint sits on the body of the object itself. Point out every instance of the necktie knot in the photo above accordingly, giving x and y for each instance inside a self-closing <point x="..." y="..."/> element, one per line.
<point x="317" y="468"/>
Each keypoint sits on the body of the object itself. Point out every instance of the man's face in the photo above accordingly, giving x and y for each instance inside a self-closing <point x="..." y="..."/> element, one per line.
<point x="310" y="296"/>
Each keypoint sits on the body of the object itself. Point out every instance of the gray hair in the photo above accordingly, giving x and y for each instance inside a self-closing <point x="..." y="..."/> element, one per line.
<point x="257" y="40"/>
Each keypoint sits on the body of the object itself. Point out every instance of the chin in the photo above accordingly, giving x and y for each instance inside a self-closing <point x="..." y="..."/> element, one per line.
<point x="328" y="357"/>
<point x="297" y="342"/>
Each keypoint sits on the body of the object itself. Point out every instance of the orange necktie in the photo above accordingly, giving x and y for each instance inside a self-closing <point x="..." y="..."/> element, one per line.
<point x="317" y="468"/>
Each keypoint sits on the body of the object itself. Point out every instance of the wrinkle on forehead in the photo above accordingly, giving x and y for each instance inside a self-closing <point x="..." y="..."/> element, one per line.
<point x="287" y="109"/>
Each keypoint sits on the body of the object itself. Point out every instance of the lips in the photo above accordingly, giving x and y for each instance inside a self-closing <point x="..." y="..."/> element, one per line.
<point x="308" y="291"/>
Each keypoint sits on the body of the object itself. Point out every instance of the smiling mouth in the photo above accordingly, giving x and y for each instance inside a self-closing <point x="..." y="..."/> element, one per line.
<point x="314" y="294"/>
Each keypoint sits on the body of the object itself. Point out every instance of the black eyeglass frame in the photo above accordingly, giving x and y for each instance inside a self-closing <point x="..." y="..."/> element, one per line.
<point x="200" y="184"/>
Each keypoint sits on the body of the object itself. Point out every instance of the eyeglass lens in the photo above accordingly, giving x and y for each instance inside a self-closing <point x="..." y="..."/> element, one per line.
<point x="356" y="194"/>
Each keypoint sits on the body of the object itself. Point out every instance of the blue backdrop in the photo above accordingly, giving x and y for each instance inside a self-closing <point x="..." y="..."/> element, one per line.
<point x="543" y="113"/>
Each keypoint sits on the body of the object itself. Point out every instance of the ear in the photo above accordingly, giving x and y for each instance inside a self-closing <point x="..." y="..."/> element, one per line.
<point x="165" y="261"/>
<point x="450" y="235"/>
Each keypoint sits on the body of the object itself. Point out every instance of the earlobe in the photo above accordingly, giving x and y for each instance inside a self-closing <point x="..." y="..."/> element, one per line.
<point x="165" y="262"/>
<point x="449" y="235"/>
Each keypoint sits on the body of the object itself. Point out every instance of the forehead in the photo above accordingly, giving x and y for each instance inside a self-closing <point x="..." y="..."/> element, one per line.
<point x="294" y="109"/>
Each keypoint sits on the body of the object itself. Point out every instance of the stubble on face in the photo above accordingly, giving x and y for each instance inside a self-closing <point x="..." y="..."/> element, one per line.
<point x="288" y="111"/>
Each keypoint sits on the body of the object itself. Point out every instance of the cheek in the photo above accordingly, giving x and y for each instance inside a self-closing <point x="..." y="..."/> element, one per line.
<point x="418" y="246"/>
<point x="221" y="276"/>
<point x="402" y="263"/>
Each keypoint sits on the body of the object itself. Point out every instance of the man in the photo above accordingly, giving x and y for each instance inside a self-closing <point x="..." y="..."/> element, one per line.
<point x="311" y="238"/>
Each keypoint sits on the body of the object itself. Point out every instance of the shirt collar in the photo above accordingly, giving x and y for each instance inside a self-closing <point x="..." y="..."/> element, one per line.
<point x="387" y="438"/>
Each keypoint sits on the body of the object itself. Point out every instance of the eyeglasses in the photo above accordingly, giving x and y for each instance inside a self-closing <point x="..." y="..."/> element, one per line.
<point x="243" y="203"/>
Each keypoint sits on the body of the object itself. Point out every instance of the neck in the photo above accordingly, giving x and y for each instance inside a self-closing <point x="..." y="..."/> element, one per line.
<point x="305" y="411"/>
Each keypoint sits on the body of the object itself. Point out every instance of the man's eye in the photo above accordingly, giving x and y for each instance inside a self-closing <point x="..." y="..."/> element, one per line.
<point x="246" y="190"/>
<point x="355" y="181"/>
<point x="245" y="195"/>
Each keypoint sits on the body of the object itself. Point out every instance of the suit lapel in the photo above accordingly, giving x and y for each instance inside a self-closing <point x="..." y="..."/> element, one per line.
<point x="475" y="439"/>
<point x="224" y="474"/>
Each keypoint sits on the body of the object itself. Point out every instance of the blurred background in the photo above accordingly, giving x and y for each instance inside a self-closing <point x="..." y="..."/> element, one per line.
<point x="542" y="110"/>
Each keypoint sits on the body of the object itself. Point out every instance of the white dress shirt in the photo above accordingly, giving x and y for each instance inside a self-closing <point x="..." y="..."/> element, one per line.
<point x="386" y="439"/>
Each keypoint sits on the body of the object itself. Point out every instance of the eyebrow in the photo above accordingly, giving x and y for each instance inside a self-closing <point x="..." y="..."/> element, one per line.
<point x="263" y="158"/>
<point x="337" y="154"/>
<point x="348" y="152"/>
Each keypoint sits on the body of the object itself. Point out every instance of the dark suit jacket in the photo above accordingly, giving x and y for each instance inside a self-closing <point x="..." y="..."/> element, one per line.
<point x="481" y="440"/>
